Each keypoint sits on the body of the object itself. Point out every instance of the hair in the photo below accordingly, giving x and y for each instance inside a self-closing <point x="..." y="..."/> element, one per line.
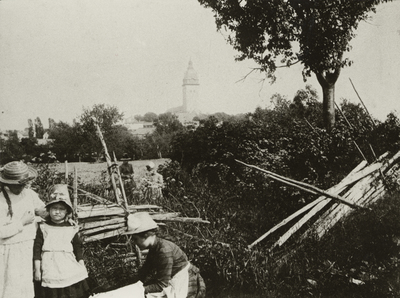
<point x="10" y="211"/>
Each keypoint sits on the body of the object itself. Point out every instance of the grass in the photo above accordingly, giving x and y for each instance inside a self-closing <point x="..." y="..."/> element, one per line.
<point x="363" y="248"/>
<point x="90" y="173"/>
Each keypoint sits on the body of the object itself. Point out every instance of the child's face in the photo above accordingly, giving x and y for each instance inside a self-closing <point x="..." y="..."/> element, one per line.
<point x="58" y="212"/>
<point x="141" y="242"/>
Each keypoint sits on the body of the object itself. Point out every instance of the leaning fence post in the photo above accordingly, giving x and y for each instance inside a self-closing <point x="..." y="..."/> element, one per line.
<point x="75" y="196"/>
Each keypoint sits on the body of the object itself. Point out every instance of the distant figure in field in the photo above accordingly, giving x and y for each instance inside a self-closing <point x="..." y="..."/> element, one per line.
<point x="127" y="173"/>
<point x="152" y="183"/>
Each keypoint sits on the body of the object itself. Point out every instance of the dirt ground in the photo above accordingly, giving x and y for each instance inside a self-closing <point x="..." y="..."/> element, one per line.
<point x="91" y="172"/>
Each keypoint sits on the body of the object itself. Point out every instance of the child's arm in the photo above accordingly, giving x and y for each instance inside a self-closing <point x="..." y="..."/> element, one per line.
<point x="77" y="244"/>
<point x="38" y="274"/>
<point x="78" y="251"/>
<point x="37" y="255"/>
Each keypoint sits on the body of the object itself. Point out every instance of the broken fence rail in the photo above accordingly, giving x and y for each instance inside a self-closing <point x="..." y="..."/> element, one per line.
<point x="361" y="187"/>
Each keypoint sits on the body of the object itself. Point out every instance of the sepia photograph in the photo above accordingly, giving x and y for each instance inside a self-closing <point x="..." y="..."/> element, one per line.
<point x="199" y="148"/>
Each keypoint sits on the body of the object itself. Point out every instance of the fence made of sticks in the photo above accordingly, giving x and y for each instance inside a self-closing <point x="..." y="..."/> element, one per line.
<point x="360" y="189"/>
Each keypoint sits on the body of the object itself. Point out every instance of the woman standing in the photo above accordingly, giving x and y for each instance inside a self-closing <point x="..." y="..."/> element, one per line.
<point x="18" y="206"/>
<point x="153" y="184"/>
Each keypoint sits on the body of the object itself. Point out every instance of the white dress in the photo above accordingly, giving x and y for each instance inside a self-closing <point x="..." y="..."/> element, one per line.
<point x="16" y="244"/>
<point x="60" y="268"/>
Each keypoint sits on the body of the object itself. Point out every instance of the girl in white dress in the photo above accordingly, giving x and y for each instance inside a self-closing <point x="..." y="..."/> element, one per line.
<point x="58" y="255"/>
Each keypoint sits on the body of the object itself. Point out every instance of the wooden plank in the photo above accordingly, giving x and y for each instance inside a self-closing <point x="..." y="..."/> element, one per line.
<point x="104" y="228"/>
<point x="100" y="212"/>
<point x="333" y="216"/>
<point x="300" y="223"/>
<point x="100" y="223"/>
<point x="302" y="185"/>
<point x="288" y="219"/>
<point x="358" y="173"/>
<point x="371" y="174"/>
<point x="97" y="207"/>
<point x="104" y="235"/>
<point x="95" y="197"/>
<point x="187" y="220"/>
<point x="141" y="207"/>
<point x="164" y="216"/>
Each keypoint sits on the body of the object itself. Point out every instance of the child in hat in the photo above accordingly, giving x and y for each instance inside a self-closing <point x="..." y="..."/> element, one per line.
<point x="57" y="254"/>
<point x="18" y="207"/>
<point x="166" y="271"/>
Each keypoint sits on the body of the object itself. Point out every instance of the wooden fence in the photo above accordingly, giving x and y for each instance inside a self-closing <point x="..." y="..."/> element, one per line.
<point x="361" y="188"/>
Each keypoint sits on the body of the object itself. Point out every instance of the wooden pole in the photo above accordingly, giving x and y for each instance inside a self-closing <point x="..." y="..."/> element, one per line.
<point x="352" y="129"/>
<point x="372" y="120"/>
<point x="121" y="182"/>
<point x="302" y="185"/>
<point x="75" y="195"/>
<point x="66" y="172"/>
<point x="109" y="163"/>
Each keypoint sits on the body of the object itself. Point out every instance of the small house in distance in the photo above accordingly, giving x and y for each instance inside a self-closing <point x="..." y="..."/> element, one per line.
<point x="139" y="128"/>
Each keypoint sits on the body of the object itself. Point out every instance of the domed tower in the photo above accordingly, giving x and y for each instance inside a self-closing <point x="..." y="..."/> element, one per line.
<point x="190" y="90"/>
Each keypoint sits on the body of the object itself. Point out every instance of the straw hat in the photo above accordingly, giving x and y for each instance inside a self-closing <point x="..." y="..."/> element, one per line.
<point x="150" y="165"/>
<point x="17" y="172"/>
<point x="59" y="193"/>
<point x="140" y="222"/>
<point x="125" y="156"/>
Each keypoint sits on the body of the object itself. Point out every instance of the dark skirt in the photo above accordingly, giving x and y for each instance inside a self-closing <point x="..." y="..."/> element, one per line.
<point x="78" y="290"/>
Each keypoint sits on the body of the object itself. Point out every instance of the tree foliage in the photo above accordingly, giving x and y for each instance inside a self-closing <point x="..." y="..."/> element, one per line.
<point x="11" y="148"/>
<point x="282" y="33"/>
<point x="39" y="128"/>
<point x="31" y="129"/>
<point x="67" y="144"/>
<point x="103" y="115"/>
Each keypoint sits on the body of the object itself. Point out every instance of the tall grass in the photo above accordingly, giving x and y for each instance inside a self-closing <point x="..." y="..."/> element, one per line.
<point x="358" y="258"/>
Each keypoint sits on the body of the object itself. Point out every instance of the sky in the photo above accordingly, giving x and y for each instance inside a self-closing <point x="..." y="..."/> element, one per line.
<point x="58" y="57"/>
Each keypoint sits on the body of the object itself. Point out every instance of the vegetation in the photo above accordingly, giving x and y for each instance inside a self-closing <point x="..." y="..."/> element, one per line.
<point x="358" y="258"/>
<point x="314" y="33"/>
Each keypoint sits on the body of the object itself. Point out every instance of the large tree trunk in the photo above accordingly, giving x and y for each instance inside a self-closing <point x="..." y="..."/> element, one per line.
<point x="327" y="81"/>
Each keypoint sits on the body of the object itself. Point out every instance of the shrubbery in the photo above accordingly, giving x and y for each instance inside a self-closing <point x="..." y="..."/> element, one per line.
<point x="204" y="180"/>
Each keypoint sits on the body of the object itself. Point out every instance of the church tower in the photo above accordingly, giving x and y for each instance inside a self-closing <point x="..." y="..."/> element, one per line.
<point x="190" y="90"/>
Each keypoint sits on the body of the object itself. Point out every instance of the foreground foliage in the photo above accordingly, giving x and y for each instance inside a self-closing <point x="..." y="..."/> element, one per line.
<point x="358" y="258"/>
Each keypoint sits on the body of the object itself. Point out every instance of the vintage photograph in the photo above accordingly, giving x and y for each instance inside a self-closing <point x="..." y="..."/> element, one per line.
<point x="199" y="148"/>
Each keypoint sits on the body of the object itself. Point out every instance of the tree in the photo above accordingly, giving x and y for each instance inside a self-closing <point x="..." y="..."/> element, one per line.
<point x="106" y="117"/>
<point x="167" y="123"/>
<point x="31" y="130"/>
<point x="150" y="117"/>
<point x="39" y="128"/>
<point x="67" y="144"/>
<point x="51" y="123"/>
<point x="119" y="140"/>
<point x="11" y="148"/>
<point x="313" y="33"/>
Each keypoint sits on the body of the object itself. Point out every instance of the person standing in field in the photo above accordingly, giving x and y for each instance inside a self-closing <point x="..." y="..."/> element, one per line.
<point x="127" y="173"/>
<point x="18" y="207"/>
<point x="57" y="254"/>
<point x="153" y="183"/>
